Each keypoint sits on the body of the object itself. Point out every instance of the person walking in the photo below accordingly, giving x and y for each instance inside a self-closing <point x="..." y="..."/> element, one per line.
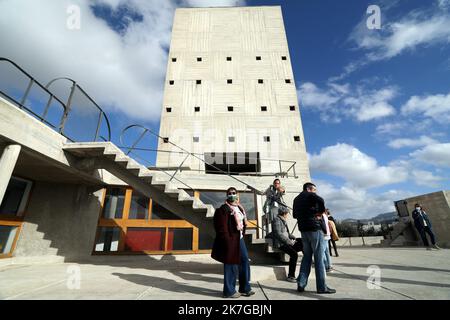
<point x="308" y="208"/>
<point x="286" y="241"/>
<point x="334" y="234"/>
<point x="229" y="247"/>
<point x="326" y="240"/>
<point x="423" y="226"/>
<point x="274" y="200"/>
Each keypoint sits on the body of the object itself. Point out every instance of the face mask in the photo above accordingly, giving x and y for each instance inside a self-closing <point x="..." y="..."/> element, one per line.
<point x="232" y="197"/>
<point x="418" y="208"/>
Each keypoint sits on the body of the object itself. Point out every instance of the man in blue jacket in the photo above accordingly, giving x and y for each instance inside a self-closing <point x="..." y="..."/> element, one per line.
<point x="308" y="208"/>
<point x="423" y="226"/>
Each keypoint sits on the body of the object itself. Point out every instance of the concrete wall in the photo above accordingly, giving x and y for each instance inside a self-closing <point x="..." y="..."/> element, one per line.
<point x="241" y="33"/>
<point x="60" y="220"/>
<point x="437" y="206"/>
<point x="358" y="241"/>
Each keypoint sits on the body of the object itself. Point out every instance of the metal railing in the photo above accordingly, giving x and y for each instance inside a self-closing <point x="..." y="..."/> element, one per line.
<point x="78" y="119"/>
<point x="128" y="150"/>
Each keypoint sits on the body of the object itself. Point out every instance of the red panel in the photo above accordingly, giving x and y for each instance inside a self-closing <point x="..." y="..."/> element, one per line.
<point x="144" y="239"/>
<point x="170" y="240"/>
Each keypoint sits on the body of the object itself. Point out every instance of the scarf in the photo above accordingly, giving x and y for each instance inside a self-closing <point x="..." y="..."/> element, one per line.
<point x="239" y="223"/>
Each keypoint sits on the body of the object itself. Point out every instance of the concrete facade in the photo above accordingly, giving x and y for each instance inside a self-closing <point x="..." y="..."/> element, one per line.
<point x="240" y="34"/>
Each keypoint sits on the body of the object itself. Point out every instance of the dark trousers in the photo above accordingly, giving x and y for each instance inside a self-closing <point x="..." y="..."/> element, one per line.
<point x="292" y="250"/>
<point x="423" y="235"/>
<point x="232" y="271"/>
<point x="331" y="241"/>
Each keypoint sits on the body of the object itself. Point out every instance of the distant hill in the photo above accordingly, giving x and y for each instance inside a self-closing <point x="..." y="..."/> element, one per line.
<point x="388" y="217"/>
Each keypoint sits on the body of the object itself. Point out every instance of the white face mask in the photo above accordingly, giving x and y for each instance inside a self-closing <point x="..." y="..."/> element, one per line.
<point x="418" y="208"/>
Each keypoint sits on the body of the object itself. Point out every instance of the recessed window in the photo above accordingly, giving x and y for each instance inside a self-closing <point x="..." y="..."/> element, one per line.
<point x="228" y="58"/>
<point x="260" y="81"/>
<point x="171" y="82"/>
<point x="283" y="58"/>
<point x="230" y="108"/>
<point x="199" y="59"/>
<point x="166" y="140"/>
<point x="263" y="108"/>
<point x="174" y="59"/>
<point x="229" y="81"/>
<point x="258" y="58"/>
<point x="168" y="109"/>
<point x="288" y="80"/>
<point x="230" y="139"/>
<point x="296" y="138"/>
<point x="197" y="109"/>
<point x="266" y="139"/>
<point x="198" y="81"/>
<point x="292" y="108"/>
<point x="196" y="139"/>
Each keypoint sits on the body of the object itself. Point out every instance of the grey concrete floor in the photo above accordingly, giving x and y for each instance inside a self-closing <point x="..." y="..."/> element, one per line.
<point x="405" y="273"/>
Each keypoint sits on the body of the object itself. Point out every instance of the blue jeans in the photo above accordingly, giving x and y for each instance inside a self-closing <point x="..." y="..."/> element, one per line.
<point x="326" y="255"/>
<point x="231" y="272"/>
<point x="312" y="245"/>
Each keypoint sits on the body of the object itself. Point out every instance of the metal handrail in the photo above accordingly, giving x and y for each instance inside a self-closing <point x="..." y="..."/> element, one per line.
<point x="52" y="96"/>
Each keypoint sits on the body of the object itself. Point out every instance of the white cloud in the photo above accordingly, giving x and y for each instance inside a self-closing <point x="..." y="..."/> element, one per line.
<point x="390" y="128"/>
<point x="426" y="178"/>
<point x="436" y="154"/>
<point x="407" y="142"/>
<point x="122" y="71"/>
<point x="352" y="202"/>
<point x="357" y="168"/>
<point x="343" y="100"/>
<point x="436" y="107"/>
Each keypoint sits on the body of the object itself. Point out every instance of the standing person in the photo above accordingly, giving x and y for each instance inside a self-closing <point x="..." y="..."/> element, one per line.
<point x="308" y="209"/>
<point x="326" y="240"/>
<point x="286" y="241"/>
<point x="274" y="200"/>
<point x="423" y="226"/>
<point x="229" y="247"/>
<point x="334" y="234"/>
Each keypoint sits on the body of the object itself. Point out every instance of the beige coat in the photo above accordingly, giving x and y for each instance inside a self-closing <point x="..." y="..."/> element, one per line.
<point x="334" y="234"/>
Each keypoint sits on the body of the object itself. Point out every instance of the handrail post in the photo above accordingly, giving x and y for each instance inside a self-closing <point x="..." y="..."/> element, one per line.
<point x="182" y="162"/>
<point x="98" y="125"/>
<point x="68" y="106"/>
<point x="27" y="91"/>
<point x="137" y="141"/>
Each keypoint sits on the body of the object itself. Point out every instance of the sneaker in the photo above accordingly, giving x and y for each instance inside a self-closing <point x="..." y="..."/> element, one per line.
<point x="436" y="247"/>
<point x="327" y="291"/>
<point x="248" y="293"/>
<point x="300" y="289"/>
<point x="428" y="248"/>
<point x="330" y="270"/>
<point x="291" y="279"/>
<point x="234" y="295"/>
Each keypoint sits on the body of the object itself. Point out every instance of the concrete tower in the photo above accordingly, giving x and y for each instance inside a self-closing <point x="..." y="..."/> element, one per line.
<point x="230" y="89"/>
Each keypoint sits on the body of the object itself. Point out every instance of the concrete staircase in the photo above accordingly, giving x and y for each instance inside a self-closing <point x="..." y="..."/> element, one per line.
<point x="155" y="185"/>
<point x="402" y="235"/>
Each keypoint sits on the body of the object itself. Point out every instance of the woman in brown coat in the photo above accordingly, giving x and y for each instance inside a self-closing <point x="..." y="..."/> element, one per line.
<point x="229" y="246"/>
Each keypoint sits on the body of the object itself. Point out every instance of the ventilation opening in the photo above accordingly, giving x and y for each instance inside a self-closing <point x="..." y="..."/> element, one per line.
<point x="229" y="81"/>
<point x="228" y="58"/>
<point x="292" y="108"/>
<point x="199" y="59"/>
<point x="196" y="139"/>
<point x="266" y="139"/>
<point x="296" y="138"/>
<point x="283" y="58"/>
<point x="198" y="81"/>
<point x="288" y="80"/>
<point x="230" y="108"/>
<point x="260" y="81"/>
<point x="171" y="82"/>
<point x="263" y="108"/>
<point x="258" y="58"/>
<point x="197" y="109"/>
<point x="169" y="109"/>
<point x="174" y="59"/>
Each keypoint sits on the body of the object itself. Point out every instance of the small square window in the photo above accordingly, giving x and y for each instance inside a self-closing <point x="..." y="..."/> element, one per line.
<point x="174" y="59"/>
<point x="263" y="108"/>
<point x="228" y="58"/>
<point x="258" y="58"/>
<point x="288" y="80"/>
<point x="230" y="139"/>
<point x="230" y="108"/>
<point x="198" y="81"/>
<point x="168" y="109"/>
<point x="197" y="109"/>
<point x="171" y="82"/>
<point x="166" y="140"/>
<point x="199" y="59"/>
<point x="196" y="139"/>
<point x="229" y="81"/>
<point x="292" y="108"/>
<point x="283" y="58"/>
<point x="260" y="81"/>
<point x="296" y="138"/>
<point x="266" y="139"/>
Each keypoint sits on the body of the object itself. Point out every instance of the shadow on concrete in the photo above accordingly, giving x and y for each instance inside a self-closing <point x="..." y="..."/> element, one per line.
<point x="168" y="285"/>
<point x="384" y="280"/>
<point x="391" y="266"/>
<point x="305" y="294"/>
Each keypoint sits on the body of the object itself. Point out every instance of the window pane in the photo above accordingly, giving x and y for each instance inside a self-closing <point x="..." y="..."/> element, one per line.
<point x="114" y="201"/>
<point x="108" y="239"/>
<point x="247" y="200"/>
<point x="14" y="196"/>
<point x="205" y="241"/>
<point x="179" y="239"/>
<point x="161" y="213"/>
<point x="139" y="207"/>
<point x="214" y="198"/>
<point x="7" y="235"/>
<point x="145" y="239"/>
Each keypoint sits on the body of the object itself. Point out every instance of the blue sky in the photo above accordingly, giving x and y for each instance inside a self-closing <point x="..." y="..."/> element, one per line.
<point x="375" y="104"/>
